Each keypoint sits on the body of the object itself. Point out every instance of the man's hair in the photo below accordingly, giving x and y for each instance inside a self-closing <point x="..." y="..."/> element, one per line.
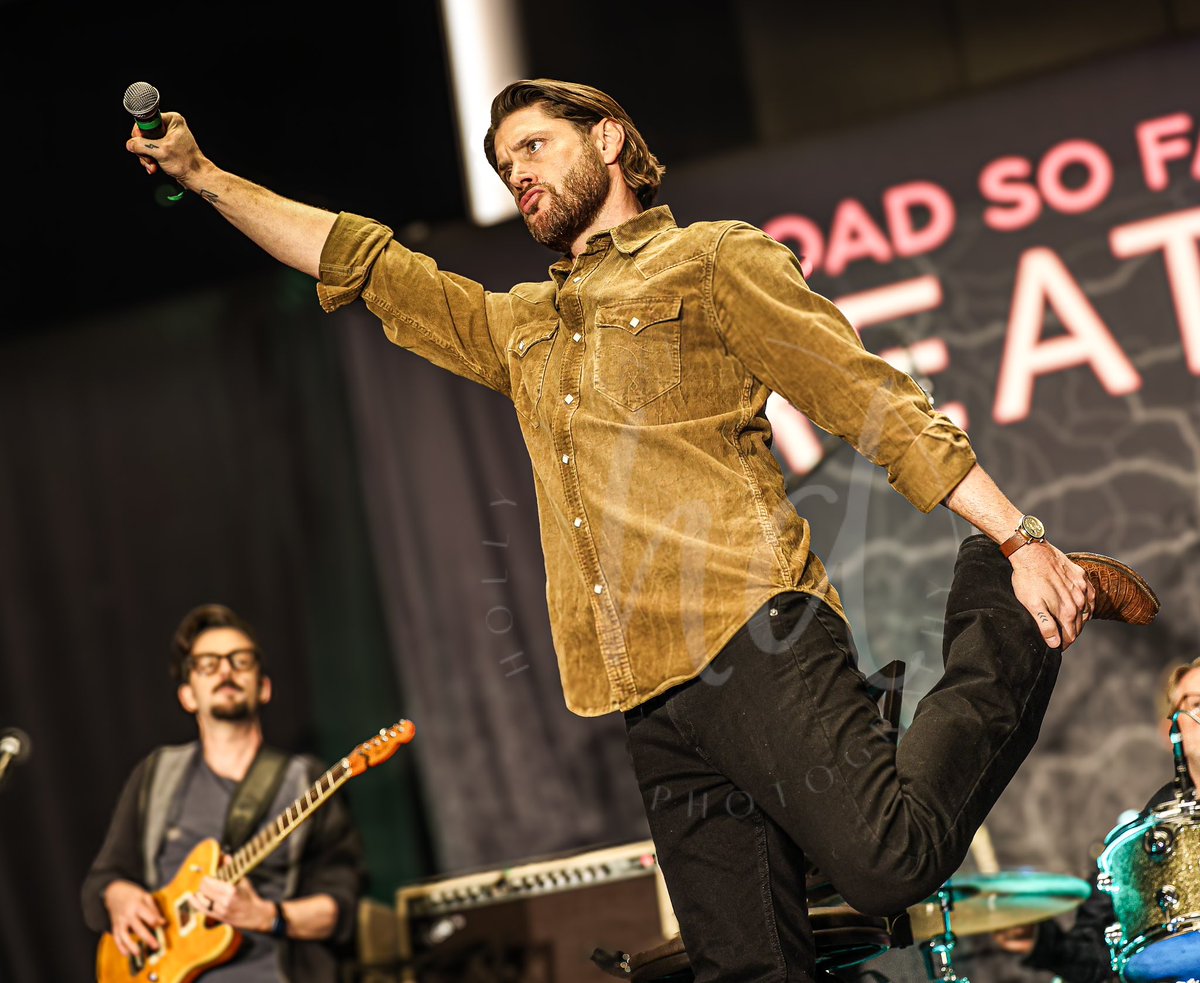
<point x="584" y="107"/>
<point x="1171" y="678"/>
<point x="201" y="619"/>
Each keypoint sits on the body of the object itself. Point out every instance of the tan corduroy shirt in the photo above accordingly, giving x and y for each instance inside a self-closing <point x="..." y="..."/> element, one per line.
<point x="640" y="372"/>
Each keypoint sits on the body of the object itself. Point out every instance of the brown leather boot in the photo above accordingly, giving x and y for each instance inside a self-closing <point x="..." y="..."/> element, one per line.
<point x="1121" y="593"/>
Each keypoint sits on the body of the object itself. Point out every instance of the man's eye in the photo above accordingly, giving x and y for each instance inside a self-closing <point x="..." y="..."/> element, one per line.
<point x="535" y="145"/>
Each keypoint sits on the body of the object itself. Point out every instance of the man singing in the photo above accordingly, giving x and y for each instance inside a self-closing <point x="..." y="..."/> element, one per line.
<point x="640" y="371"/>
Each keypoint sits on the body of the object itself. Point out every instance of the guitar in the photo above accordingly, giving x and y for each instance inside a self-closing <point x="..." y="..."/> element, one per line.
<point x="191" y="943"/>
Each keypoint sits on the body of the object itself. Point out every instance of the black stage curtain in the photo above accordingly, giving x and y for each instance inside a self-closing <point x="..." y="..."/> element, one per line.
<point x="196" y="451"/>
<point x="511" y="774"/>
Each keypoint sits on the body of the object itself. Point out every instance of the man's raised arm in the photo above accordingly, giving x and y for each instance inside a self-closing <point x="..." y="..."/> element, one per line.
<point x="292" y="232"/>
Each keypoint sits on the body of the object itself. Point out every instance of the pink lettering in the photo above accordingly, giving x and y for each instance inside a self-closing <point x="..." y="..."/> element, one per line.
<point x="1161" y="140"/>
<point x="854" y="235"/>
<point x="1176" y="236"/>
<point x="1002" y="181"/>
<point x="881" y="304"/>
<point x="809" y="243"/>
<point x="1042" y="278"/>
<point x="1093" y="191"/>
<point x="898" y="203"/>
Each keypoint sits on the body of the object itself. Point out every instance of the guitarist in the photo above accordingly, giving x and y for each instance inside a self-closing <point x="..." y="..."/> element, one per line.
<point x="296" y="912"/>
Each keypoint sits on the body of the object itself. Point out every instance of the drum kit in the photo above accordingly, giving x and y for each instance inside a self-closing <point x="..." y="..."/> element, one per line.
<point x="1150" y="867"/>
<point x="970" y="904"/>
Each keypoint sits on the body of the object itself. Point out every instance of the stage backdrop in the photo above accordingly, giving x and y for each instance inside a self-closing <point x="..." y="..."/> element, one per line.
<point x="1030" y="256"/>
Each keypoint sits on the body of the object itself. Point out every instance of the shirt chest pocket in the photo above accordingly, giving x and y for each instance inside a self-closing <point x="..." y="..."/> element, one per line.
<point x="637" y="349"/>
<point x="528" y="354"/>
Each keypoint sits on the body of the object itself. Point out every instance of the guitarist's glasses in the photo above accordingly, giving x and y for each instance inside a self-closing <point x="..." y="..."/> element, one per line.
<point x="209" y="662"/>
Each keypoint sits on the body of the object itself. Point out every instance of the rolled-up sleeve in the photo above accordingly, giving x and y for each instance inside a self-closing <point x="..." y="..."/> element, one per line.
<point x="802" y="347"/>
<point x="447" y="319"/>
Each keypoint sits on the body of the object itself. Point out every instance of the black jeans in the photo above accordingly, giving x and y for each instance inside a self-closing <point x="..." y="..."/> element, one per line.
<point x="778" y="754"/>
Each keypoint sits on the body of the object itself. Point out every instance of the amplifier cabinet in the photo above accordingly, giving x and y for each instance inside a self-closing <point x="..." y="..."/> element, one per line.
<point x="538" y="922"/>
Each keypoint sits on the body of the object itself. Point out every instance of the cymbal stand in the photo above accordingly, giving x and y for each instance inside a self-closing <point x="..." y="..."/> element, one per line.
<point x="938" y="951"/>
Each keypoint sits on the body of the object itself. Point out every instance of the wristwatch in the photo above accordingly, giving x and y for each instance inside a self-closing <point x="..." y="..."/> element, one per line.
<point x="280" y="928"/>
<point x="1029" y="530"/>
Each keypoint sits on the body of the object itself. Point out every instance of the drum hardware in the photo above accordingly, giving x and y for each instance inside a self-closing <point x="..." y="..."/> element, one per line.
<point x="842" y="938"/>
<point x="987" y="903"/>
<point x="1149" y="868"/>
<point x="978" y="904"/>
<point x="939" y="950"/>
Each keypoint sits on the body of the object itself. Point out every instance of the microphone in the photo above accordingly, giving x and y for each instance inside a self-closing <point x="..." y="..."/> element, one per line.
<point x="1185" y="788"/>
<point x="141" y="102"/>
<point x="15" y="746"/>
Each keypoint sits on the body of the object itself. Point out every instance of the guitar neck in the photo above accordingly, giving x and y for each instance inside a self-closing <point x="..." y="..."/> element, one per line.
<point x="287" y="822"/>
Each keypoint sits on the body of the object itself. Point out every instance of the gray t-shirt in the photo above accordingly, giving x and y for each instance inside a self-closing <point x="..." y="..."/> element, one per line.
<point x="198" y="814"/>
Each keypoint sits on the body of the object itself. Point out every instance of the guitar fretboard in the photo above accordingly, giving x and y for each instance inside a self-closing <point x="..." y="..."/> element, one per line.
<point x="268" y="839"/>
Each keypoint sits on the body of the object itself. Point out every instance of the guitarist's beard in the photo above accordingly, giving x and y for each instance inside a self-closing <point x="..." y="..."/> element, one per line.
<point x="236" y="712"/>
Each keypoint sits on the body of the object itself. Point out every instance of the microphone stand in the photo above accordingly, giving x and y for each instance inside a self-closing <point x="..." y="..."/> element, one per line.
<point x="14" y="748"/>
<point x="1185" y="787"/>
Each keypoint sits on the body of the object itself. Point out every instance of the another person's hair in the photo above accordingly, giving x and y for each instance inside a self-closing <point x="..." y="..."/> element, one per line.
<point x="1171" y="677"/>
<point x="201" y="619"/>
<point x="584" y="107"/>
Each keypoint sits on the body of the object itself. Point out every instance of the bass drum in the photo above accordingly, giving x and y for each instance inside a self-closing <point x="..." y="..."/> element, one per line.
<point x="1151" y="869"/>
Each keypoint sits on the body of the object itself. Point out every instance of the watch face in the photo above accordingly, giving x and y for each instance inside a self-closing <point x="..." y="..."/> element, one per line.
<point x="1032" y="527"/>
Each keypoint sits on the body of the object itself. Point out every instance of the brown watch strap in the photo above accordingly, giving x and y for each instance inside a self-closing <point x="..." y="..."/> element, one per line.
<point x="1015" y="542"/>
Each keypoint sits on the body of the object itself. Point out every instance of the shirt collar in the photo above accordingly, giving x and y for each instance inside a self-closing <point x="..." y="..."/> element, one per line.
<point x="628" y="237"/>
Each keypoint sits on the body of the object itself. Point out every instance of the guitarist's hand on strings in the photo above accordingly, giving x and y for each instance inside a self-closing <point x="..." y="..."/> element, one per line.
<point x="237" y="904"/>
<point x="134" y="916"/>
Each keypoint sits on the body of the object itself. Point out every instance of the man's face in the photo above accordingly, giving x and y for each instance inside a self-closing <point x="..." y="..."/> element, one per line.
<point x="227" y="692"/>
<point x="1187" y="697"/>
<point x="554" y="172"/>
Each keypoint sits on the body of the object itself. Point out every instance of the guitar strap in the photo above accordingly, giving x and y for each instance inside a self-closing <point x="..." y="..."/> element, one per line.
<point x="253" y="797"/>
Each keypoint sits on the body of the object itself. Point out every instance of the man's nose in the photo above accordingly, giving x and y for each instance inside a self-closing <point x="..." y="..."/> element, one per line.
<point x="520" y="178"/>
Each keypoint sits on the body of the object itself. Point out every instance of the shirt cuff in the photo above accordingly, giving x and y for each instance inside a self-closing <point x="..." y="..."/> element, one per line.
<point x="933" y="464"/>
<point x="350" y="251"/>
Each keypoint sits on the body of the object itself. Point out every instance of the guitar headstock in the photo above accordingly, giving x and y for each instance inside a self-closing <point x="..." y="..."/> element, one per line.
<point x="381" y="747"/>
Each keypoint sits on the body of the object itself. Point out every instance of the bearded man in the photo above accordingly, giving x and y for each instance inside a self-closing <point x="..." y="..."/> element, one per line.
<point x="296" y="911"/>
<point x="639" y="372"/>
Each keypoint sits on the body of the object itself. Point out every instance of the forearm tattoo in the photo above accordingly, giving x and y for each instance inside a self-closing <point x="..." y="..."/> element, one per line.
<point x="211" y="197"/>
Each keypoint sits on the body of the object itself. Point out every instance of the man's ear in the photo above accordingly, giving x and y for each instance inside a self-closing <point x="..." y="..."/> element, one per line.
<point x="187" y="698"/>
<point x="609" y="136"/>
<point x="264" y="690"/>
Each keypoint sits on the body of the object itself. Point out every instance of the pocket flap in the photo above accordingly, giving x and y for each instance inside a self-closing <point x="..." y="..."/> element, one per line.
<point x="640" y="312"/>
<point x="526" y="336"/>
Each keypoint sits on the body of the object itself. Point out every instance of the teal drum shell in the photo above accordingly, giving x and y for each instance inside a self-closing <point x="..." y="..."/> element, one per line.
<point x="1150" y="867"/>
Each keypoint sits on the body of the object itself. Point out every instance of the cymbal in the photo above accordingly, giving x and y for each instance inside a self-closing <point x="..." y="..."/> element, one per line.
<point x="985" y="903"/>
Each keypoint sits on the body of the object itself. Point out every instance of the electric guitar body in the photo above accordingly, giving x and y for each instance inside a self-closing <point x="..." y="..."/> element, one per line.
<point x="190" y="943"/>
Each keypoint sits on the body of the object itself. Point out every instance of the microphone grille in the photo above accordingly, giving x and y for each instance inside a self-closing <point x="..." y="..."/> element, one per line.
<point x="141" y="99"/>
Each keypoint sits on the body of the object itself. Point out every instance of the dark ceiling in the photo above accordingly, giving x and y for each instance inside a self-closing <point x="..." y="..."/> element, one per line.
<point x="350" y="108"/>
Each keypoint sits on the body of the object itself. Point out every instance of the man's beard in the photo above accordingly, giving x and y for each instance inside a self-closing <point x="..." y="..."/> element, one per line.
<point x="236" y="711"/>
<point x="562" y="215"/>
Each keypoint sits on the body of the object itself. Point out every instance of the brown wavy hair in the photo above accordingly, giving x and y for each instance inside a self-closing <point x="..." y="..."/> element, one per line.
<point x="584" y="107"/>
<point x="201" y="619"/>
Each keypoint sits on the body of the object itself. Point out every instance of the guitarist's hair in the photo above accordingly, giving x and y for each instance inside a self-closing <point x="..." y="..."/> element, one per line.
<point x="201" y="619"/>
